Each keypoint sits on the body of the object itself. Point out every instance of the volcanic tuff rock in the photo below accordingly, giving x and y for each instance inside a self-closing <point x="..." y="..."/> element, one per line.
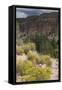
<point x="47" y="23"/>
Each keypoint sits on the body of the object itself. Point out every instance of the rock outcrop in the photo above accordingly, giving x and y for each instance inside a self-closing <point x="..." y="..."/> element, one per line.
<point x="46" y="23"/>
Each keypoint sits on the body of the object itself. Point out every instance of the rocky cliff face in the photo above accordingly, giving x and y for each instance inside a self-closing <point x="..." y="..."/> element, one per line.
<point x="46" y="23"/>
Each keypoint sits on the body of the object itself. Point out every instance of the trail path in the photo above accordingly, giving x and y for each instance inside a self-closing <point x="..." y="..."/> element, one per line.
<point x="54" y="69"/>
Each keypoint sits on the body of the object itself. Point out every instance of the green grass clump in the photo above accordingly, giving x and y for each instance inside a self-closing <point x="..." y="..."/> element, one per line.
<point x="33" y="56"/>
<point x="45" y="59"/>
<point x="19" y="50"/>
<point x="22" y="66"/>
<point x="37" y="74"/>
<point x="24" y="48"/>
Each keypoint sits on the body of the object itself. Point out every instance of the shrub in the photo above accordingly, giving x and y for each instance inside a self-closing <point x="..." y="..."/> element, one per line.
<point x="23" y="66"/>
<point x="33" y="56"/>
<point x="24" y="48"/>
<point x="28" y="46"/>
<point x="43" y="44"/>
<point x="46" y="73"/>
<point x="29" y="71"/>
<point x="36" y="74"/>
<point x="19" y="50"/>
<point x="31" y="45"/>
<point x="45" y="59"/>
<point x="41" y="73"/>
<point x="56" y="53"/>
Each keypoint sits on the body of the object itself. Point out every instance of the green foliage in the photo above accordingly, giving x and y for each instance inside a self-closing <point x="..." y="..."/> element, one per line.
<point x="24" y="48"/>
<point x="54" y="43"/>
<point x="32" y="45"/>
<point x="55" y="48"/>
<point x="33" y="56"/>
<point x="31" y="72"/>
<point x="41" y="73"/>
<point x="19" y="66"/>
<point x="23" y="66"/>
<point x="56" y="53"/>
<point x="36" y="74"/>
<point x="43" y="44"/>
<point x="46" y="73"/>
<point x="45" y="59"/>
<point x="19" y="50"/>
<point x="28" y="46"/>
<point x="37" y="53"/>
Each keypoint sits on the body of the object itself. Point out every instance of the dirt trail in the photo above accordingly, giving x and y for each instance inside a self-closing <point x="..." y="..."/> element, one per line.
<point x="54" y="69"/>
